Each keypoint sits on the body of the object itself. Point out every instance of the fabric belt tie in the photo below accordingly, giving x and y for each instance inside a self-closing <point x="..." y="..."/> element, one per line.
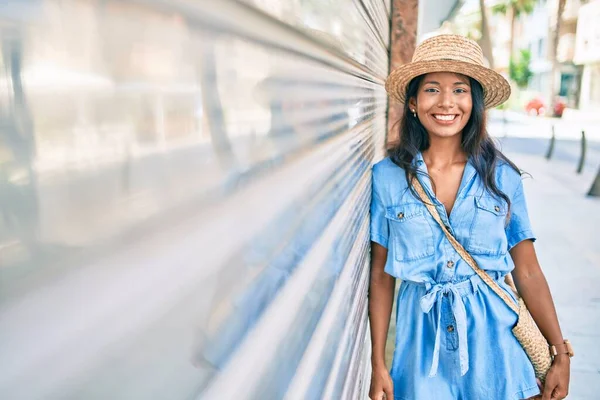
<point x="432" y="298"/>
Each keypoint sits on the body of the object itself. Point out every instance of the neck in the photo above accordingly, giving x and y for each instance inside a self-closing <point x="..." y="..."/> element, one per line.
<point x="444" y="152"/>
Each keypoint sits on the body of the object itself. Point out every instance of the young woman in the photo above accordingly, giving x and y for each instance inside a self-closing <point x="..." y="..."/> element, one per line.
<point x="453" y="334"/>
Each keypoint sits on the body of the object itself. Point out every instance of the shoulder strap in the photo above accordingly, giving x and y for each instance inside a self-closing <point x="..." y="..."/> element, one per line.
<point x="461" y="250"/>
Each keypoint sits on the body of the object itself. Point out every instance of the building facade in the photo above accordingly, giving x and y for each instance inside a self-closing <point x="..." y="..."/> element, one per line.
<point x="535" y="38"/>
<point x="587" y="55"/>
<point x="537" y="31"/>
<point x="533" y="32"/>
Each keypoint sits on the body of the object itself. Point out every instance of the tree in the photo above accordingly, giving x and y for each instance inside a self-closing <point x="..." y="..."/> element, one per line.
<point x="485" y="42"/>
<point x="514" y="8"/>
<point x="555" y="40"/>
<point x="518" y="69"/>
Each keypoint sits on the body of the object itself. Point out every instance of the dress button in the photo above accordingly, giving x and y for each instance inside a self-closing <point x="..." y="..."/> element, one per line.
<point x="450" y="328"/>
<point x="400" y="215"/>
<point x="497" y="208"/>
<point x="450" y="264"/>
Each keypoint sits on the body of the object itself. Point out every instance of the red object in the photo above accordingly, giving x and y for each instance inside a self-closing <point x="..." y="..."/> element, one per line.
<point x="559" y="107"/>
<point x="535" y="107"/>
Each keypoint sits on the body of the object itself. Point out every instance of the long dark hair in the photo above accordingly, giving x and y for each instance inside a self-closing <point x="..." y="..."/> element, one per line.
<point x="476" y="142"/>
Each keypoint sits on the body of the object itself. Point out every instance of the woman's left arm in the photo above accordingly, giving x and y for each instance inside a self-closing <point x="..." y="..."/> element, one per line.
<point x="533" y="288"/>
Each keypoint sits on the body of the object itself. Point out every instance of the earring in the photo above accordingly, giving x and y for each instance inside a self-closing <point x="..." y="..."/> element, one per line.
<point x="414" y="113"/>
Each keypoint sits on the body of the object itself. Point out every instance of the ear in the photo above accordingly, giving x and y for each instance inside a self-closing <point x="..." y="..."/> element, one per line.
<point x="412" y="103"/>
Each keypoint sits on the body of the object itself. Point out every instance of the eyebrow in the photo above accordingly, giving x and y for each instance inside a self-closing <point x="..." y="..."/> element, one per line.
<point x="455" y="83"/>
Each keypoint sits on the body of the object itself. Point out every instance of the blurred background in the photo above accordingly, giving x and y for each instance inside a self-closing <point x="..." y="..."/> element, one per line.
<point x="184" y="185"/>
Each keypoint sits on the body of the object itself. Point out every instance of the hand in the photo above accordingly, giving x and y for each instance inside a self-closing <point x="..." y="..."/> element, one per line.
<point x="382" y="386"/>
<point x="557" y="380"/>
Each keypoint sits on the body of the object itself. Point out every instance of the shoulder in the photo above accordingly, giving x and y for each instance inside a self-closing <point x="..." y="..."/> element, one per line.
<point x="507" y="178"/>
<point x="389" y="181"/>
<point x="385" y="170"/>
<point x="384" y="165"/>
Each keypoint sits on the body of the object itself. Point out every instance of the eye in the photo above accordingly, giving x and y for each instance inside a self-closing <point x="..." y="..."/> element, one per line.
<point x="431" y="90"/>
<point x="461" y="90"/>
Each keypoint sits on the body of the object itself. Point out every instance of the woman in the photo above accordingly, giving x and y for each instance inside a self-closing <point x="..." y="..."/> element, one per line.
<point x="453" y="334"/>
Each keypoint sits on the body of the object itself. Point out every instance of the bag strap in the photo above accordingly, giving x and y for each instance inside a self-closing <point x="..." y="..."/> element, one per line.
<point x="461" y="250"/>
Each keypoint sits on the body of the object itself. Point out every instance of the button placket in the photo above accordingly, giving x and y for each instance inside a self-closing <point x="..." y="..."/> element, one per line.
<point x="446" y="274"/>
<point x="449" y="255"/>
<point x="445" y="218"/>
<point x="442" y="211"/>
<point x="449" y="325"/>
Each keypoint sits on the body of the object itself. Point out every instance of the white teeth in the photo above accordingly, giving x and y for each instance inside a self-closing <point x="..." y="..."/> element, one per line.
<point x="445" y="117"/>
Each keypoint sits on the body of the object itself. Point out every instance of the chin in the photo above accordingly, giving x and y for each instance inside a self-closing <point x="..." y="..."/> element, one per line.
<point x="445" y="133"/>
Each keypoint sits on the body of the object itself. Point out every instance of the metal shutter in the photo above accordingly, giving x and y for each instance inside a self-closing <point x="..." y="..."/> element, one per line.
<point x="186" y="197"/>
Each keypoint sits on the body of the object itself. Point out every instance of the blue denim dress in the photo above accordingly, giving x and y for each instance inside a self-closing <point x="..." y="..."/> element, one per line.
<point x="453" y="334"/>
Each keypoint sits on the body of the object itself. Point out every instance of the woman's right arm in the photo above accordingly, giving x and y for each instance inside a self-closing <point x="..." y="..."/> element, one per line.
<point x="381" y="297"/>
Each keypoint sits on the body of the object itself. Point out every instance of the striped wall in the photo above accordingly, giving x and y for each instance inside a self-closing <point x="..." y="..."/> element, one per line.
<point x="184" y="190"/>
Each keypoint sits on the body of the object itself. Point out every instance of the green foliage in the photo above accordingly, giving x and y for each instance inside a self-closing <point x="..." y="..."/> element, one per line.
<point x="526" y="7"/>
<point x="501" y="8"/>
<point x="518" y="6"/>
<point x="518" y="69"/>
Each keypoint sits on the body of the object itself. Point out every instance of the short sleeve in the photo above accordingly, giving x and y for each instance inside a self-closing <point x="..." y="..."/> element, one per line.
<point x="519" y="226"/>
<point x="379" y="223"/>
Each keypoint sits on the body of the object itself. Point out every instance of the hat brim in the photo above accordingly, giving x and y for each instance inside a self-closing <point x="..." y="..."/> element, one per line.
<point x="496" y="89"/>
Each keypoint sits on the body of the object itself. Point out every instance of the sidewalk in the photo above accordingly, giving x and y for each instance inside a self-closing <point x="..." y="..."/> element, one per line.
<point x="567" y="225"/>
<point x="515" y="124"/>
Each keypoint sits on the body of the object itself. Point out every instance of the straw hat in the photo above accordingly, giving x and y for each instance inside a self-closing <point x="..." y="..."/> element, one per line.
<point x="449" y="53"/>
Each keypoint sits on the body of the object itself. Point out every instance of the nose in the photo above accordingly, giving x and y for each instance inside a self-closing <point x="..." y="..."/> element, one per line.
<point x="446" y="99"/>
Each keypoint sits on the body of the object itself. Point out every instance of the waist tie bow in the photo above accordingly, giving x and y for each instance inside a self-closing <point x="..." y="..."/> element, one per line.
<point x="434" y="297"/>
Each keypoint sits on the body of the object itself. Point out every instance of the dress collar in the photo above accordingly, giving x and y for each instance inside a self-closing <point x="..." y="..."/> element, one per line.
<point x="468" y="174"/>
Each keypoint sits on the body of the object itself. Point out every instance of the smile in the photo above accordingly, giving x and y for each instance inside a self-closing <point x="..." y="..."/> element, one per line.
<point x="445" y="117"/>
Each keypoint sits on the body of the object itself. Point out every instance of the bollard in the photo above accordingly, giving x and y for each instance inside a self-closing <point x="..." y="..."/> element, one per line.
<point x="595" y="189"/>
<point x="583" y="151"/>
<point x="551" y="147"/>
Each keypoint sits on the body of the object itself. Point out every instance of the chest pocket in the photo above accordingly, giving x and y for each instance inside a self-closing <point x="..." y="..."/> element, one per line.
<point x="411" y="233"/>
<point x="487" y="235"/>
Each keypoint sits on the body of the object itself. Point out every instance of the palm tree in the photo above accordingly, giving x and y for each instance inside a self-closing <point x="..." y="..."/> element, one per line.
<point x="485" y="41"/>
<point x="555" y="40"/>
<point x="514" y="8"/>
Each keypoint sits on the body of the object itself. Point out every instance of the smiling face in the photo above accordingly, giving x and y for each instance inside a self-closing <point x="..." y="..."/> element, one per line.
<point x="443" y="103"/>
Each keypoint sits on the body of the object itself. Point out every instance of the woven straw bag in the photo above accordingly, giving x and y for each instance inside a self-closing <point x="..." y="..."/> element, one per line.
<point x="526" y="331"/>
